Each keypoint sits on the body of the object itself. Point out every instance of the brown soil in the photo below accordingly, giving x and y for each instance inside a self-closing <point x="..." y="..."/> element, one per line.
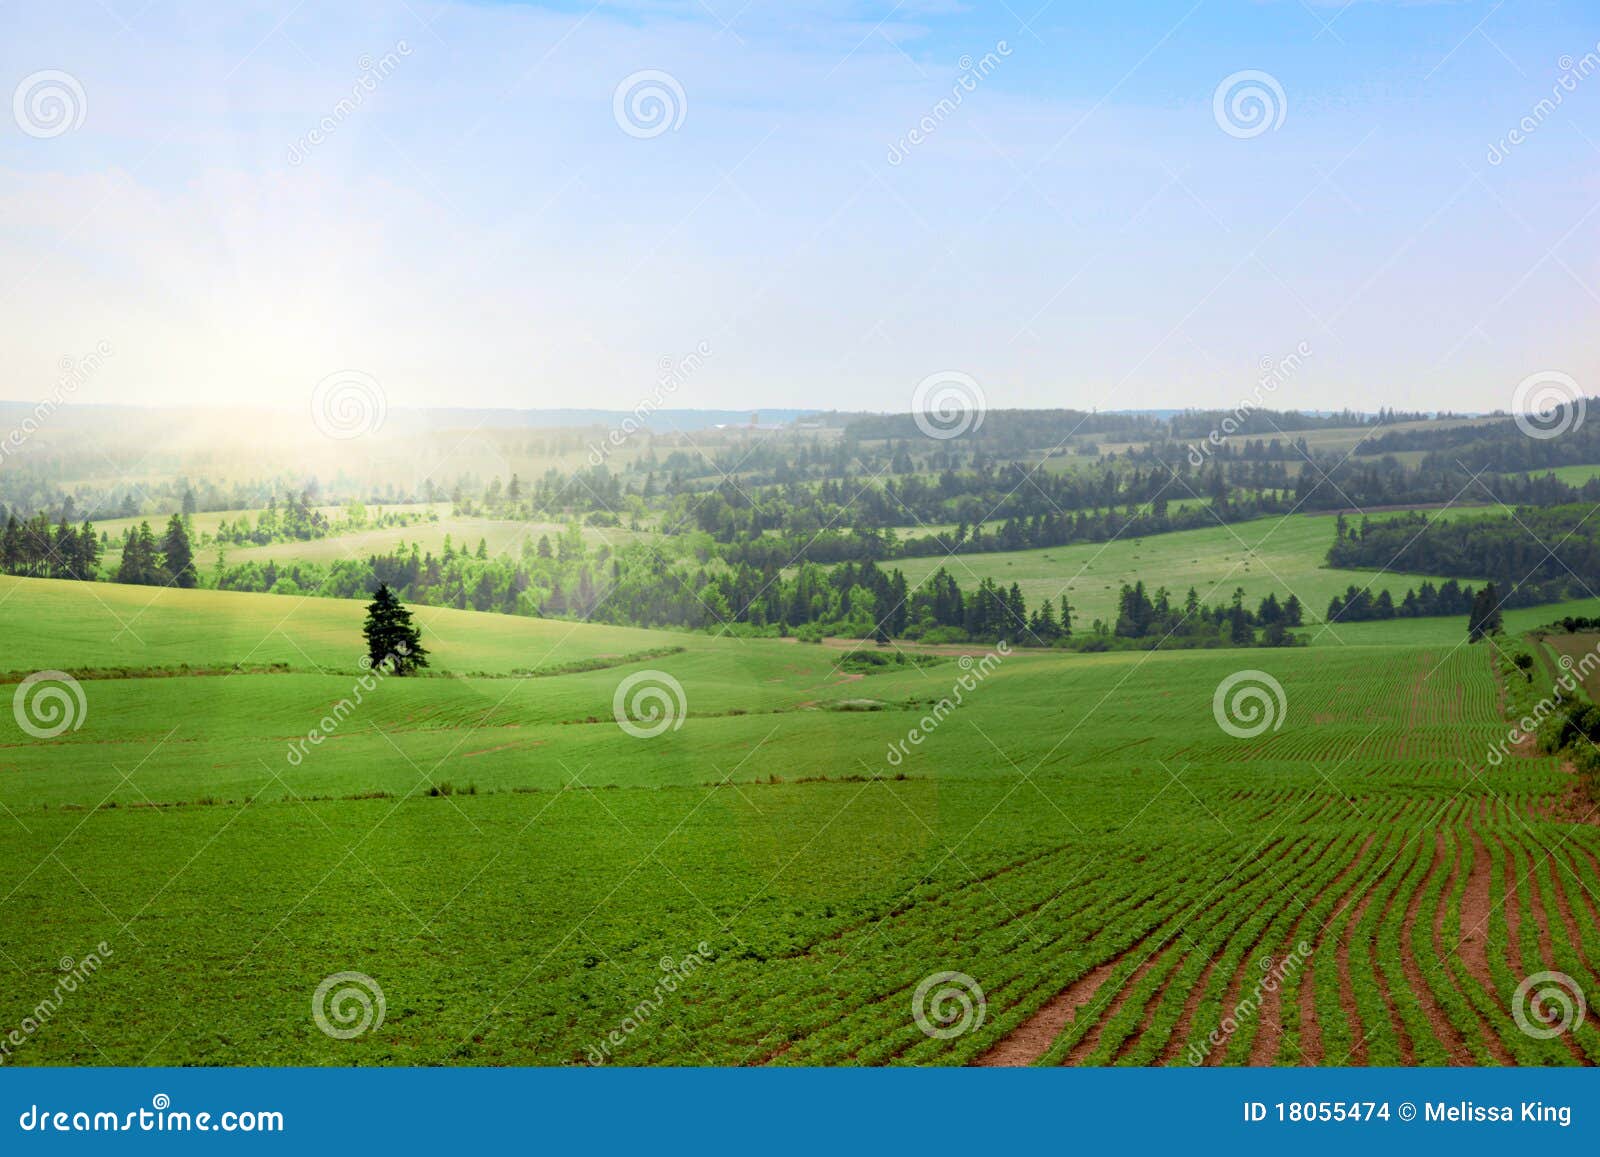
<point x="1565" y="910"/>
<point x="1269" y="1037"/>
<point x="1490" y="1038"/>
<point x="1347" y="992"/>
<point x="1090" y="1041"/>
<point x="1515" y="855"/>
<point x="1511" y="905"/>
<point x="1311" y="1050"/>
<point x="1455" y="1046"/>
<point x="1408" y="1052"/>
<point x="1032" y="1039"/>
<point x="1475" y="910"/>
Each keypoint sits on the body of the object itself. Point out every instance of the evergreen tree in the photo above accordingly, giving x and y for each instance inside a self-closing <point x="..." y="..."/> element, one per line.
<point x="140" y="560"/>
<point x="87" y="561"/>
<point x="392" y="642"/>
<point x="177" y="558"/>
<point x="1484" y="618"/>
<point x="1291" y="611"/>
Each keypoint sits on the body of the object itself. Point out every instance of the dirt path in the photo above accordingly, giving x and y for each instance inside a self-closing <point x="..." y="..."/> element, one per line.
<point x="1568" y="913"/>
<point x="1311" y="1048"/>
<point x="1475" y="911"/>
<point x="1032" y="1039"/>
<point x="1090" y="1041"/>
<point x="1490" y="1038"/>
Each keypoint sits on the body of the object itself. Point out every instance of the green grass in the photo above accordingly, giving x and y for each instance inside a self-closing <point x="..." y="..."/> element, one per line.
<point x="511" y="866"/>
<point x="1571" y="475"/>
<point x="1277" y="555"/>
<point x="63" y="624"/>
<point x="499" y="536"/>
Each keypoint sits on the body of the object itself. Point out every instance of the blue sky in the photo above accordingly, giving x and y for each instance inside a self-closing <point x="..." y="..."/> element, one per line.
<point x="1081" y="231"/>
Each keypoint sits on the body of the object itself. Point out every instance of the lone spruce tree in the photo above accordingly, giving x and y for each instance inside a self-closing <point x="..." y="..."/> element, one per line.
<point x="392" y="642"/>
<point x="177" y="556"/>
<point x="1484" y="618"/>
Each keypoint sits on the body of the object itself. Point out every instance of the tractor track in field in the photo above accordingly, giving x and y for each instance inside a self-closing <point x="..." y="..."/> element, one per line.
<point x="1173" y="1049"/>
<point x="1569" y="917"/>
<point x="1490" y="1038"/>
<point x="1292" y="861"/>
<point x="1476" y="908"/>
<point x="1174" y="1046"/>
<point x="1235" y="986"/>
<point x="1311" y="1046"/>
<point x="1090" y="1041"/>
<point x="1509" y="906"/>
<point x="1032" y="1039"/>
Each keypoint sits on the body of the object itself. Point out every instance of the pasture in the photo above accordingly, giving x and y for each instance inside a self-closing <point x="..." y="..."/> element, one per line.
<point x="1277" y="555"/>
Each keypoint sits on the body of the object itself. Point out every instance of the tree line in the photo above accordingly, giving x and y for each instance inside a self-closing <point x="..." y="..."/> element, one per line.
<point x="1534" y="555"/>
<point x="36" y="549"/>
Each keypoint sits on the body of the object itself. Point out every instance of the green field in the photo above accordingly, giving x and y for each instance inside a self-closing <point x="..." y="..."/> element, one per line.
<point x="1278" y="555"/>
<point x="500" y="536"/>
<point x="1571" y="475"/>
<point x="512" y="867"/>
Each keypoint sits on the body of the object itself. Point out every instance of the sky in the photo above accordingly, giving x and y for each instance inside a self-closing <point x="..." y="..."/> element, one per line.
<point x="462" y="204"/>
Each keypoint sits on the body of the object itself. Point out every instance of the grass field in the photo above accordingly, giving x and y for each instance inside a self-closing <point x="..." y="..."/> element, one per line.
<point x="1571" y="475"/>
<point x="465" y="532"/>
<point x="1080" y="836"/>
<point x="1268" y="555"/>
